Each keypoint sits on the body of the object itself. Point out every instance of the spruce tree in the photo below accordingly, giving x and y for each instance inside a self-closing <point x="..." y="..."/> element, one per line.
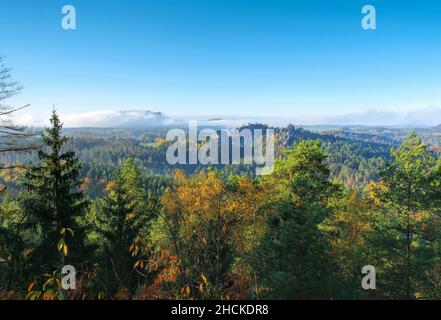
<point x="55" y="204"/>
<point x="120" y="217"/>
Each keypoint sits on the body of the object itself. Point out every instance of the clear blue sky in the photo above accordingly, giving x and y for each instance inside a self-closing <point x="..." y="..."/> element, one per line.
<point x="238" y="57"/>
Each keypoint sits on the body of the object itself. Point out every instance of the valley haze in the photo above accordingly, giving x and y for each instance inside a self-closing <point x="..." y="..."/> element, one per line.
<point x="139" y="118"/>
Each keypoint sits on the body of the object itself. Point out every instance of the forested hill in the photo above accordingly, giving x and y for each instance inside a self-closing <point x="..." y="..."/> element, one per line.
<point x="294" y="234"/>
<point x="354" y="162"/>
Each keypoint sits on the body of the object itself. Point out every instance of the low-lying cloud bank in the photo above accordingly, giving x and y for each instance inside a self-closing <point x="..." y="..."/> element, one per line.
<point x="430" y="116"/>
<point x="102" y="119"/>
<point x="427" y="117"/>
<point x="119" y="119"/>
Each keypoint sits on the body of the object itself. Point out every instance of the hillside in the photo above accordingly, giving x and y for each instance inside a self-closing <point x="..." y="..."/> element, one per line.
<point x="352" y="160"/>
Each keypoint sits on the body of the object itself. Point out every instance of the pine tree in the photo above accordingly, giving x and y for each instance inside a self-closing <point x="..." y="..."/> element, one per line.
<point x="54" y="203"/>
<point x="293" y="260"/>
<point x="405" y="220"/>
<point x="120" y="217"/>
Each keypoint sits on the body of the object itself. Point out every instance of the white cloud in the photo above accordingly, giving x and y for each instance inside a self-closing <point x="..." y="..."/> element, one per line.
<point x="430" y="116"/>
<point x="100" y="119"/>
<point x="371" y="117"/>
<point x="120" y="119"/>
<point x="27" y="119"/>
<point x="426" y="117"/>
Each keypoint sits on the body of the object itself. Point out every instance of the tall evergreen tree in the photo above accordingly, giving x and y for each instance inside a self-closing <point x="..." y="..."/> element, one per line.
<point x="54" y="203"/>
<point x="293" y="260"/>
<point x="405" y="223"/>
<point x="120" y="217"/>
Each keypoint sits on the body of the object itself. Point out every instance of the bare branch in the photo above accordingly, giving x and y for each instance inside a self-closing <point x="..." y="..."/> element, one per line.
<point x="13" y="110"/>
<point x="13" y="138"/>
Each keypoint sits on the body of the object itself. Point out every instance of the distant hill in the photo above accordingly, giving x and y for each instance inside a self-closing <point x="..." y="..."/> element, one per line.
<point x="355" y="154"/>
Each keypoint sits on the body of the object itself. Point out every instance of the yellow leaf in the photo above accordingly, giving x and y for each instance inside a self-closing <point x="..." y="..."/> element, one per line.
<point x="65" y="249"/>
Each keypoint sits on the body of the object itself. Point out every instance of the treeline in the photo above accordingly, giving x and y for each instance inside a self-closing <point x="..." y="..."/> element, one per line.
<point x="296" y="234"/>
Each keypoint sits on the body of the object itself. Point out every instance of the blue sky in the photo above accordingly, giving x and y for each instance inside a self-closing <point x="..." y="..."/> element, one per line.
<point x="235" y="57"/>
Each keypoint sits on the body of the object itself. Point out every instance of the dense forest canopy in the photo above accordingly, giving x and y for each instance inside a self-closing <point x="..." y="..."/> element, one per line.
<point x="136" y="227"/>
<point x="354" y="158"/>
